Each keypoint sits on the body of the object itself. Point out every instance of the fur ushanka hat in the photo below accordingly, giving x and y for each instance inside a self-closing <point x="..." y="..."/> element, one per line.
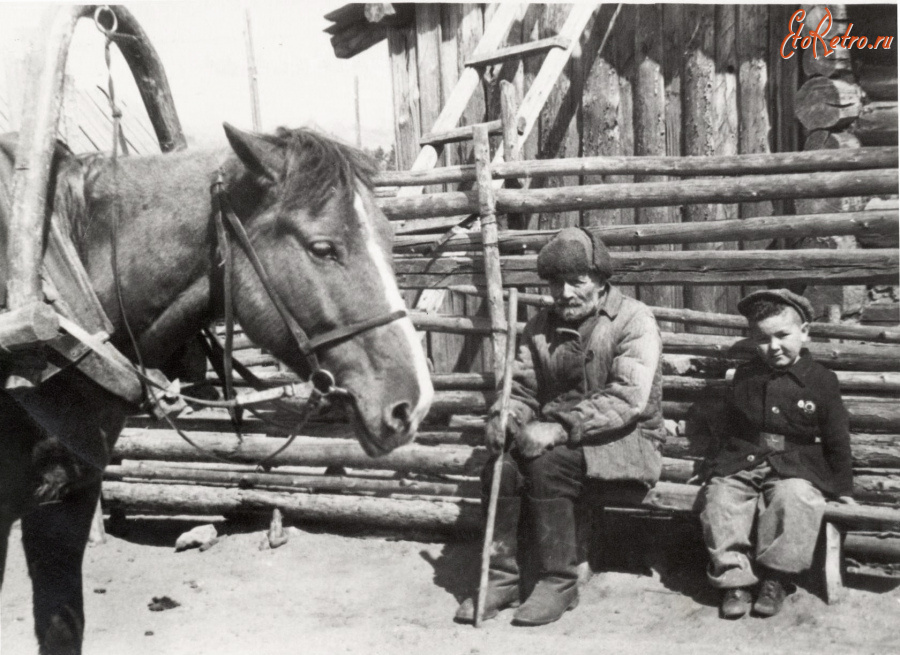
<point x="574" y="251"/>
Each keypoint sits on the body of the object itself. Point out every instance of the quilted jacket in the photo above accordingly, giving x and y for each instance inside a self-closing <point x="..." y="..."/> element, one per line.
<point x="601" y="381"/>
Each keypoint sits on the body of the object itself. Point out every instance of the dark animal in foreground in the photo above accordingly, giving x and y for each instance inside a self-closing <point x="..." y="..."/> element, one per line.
<point x="310" y="214"/>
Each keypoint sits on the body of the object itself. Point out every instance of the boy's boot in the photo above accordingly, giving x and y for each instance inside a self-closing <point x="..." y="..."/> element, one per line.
<point x="503" y="574"/>
<point x="557" y="552"/>
<point x="771" y="594"/>
<point x="735" y="602"/>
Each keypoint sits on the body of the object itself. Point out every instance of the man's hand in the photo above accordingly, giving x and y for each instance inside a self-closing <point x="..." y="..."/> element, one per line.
<point x="494" y="440"/>
<point x="847" y="500"/>
<point x="539" y="436"/>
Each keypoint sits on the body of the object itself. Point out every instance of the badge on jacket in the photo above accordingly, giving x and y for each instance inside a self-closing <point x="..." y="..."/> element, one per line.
<point x="808" y="407"/>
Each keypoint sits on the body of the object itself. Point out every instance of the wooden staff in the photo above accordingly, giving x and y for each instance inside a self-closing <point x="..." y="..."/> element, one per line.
<point x="498" y="464"/>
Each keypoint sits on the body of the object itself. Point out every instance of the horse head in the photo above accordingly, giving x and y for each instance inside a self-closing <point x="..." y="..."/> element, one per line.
<point x="307" y="206"/>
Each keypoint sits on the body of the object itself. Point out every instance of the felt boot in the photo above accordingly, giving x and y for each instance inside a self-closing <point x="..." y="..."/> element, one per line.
<point x="557" y="552"/>
<point x="503" y="574"/>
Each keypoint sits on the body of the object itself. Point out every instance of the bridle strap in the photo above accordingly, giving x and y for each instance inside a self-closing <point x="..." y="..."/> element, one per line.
<point x="225" y="213"/>
<point x="347" y="331"/>
<point x="306" y="345"/>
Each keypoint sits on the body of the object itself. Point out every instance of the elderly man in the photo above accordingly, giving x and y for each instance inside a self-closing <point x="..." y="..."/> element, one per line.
<point x="586" y="403"/>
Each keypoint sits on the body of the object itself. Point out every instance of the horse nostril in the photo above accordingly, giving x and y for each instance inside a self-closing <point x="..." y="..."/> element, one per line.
<point x="398" y="419"/>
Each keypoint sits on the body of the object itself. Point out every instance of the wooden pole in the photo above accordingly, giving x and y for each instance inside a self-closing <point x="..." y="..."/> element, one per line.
<point x="498" y="463"/>
<point x="750" y="188"/>
<point x="252" y="76"/>
<point x="742" y="164"/>
<point x="869" y="224"/>
<point x="650" y="133"/>
<point x="356" y="107"/>
<point x="699" y="118"/>
<point x="487" y="210"/>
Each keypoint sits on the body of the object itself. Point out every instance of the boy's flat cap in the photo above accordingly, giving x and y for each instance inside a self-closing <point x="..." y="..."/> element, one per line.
<point x="782" y="297"/>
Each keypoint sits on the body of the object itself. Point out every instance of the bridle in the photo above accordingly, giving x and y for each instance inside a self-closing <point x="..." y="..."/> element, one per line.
<point x="227" y="222"/>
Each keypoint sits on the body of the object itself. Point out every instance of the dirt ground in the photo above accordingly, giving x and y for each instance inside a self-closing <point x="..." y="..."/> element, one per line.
<point x="336" y="592"/>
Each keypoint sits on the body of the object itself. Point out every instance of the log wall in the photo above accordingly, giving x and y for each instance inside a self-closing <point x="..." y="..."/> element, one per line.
<point x="648" y="82"/>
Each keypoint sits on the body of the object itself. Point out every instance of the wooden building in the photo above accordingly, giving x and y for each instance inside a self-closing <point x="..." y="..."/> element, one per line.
<point x="667" y="79"/>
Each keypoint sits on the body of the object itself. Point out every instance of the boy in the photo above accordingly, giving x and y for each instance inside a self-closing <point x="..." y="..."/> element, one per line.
<point x="784" y="447"/>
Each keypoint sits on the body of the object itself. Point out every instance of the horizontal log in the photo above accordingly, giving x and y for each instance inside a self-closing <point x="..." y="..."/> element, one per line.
<point x="879" y="547"/>
<point x="865" y="416"/>
<point x="747" y="164"/>
<point x="850" y="381"/>
<point x="337" y="508"/>
<point x="824" y="103"/>
<point x="458" y="134"/>
<point x="694" y="317"/>
<point x="879" y="82"/>
<point x="751" y="188"/>
<point x="518" y="242"/>
<point x="153" y="471"/>
<point x="877" y="124"/>
<point x="683" y="267"/>
<point x="677" y="497"/>
<point x="165" y="445"/>
<point x="409" y="514"/>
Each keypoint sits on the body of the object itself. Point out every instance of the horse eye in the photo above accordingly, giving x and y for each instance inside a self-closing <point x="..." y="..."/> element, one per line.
<point x="323" y="249"/>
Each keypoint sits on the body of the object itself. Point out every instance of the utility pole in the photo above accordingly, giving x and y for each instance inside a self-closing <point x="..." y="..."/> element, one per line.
<point x="358" y="121"/>
<point x="251" y="72"/>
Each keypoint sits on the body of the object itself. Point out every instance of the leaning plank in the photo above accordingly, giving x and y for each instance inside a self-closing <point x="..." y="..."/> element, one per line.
<point x="745" y="164"/>
<point x="877" y="266"/>
<point x="866" y="224"/>
<point x="355" y="510"/>
<point x="519" y="51"/>
<point x="751" y="188"/>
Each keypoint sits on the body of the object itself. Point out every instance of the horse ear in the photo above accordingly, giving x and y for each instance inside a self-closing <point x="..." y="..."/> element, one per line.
<point x="257" y="154"/>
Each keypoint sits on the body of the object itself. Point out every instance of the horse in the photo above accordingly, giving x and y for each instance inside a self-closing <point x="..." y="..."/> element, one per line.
<point x="306" y="204"/>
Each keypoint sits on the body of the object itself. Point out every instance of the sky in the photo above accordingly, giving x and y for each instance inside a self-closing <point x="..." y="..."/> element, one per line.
<point x="202" y="46"/>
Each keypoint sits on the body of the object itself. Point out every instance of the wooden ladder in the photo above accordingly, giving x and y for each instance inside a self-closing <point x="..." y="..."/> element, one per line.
<point x="556" y="50"/>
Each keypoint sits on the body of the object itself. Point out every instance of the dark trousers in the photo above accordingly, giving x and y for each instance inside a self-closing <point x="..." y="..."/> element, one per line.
<point x="558" y="473"/>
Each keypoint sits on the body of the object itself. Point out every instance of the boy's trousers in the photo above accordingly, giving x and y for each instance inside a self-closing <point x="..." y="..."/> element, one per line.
<point x="785" y="514"/>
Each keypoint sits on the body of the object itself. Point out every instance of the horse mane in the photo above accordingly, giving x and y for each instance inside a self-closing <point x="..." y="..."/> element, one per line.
<point x="318" y="165"/>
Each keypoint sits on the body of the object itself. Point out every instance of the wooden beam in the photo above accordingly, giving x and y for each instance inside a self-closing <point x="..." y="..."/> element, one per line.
<point x="458" y="134"/>
<point x="651" y="194"/>
<point x="519" y="51"/>
<point x="743" y="164"/>
<point x="866" y="224"/>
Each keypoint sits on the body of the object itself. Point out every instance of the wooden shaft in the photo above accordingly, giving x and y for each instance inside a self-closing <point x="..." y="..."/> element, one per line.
<point x="744" y="164"/>
<point x="40" y="116"/>
<point x="28" y="326"/>
<point x="498" y="463"/>
<point x="751" y="188"/>
<point x="150" y="78"/>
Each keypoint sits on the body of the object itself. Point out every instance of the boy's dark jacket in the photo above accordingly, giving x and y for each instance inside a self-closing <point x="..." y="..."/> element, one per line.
<point x="802" y="403"/>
